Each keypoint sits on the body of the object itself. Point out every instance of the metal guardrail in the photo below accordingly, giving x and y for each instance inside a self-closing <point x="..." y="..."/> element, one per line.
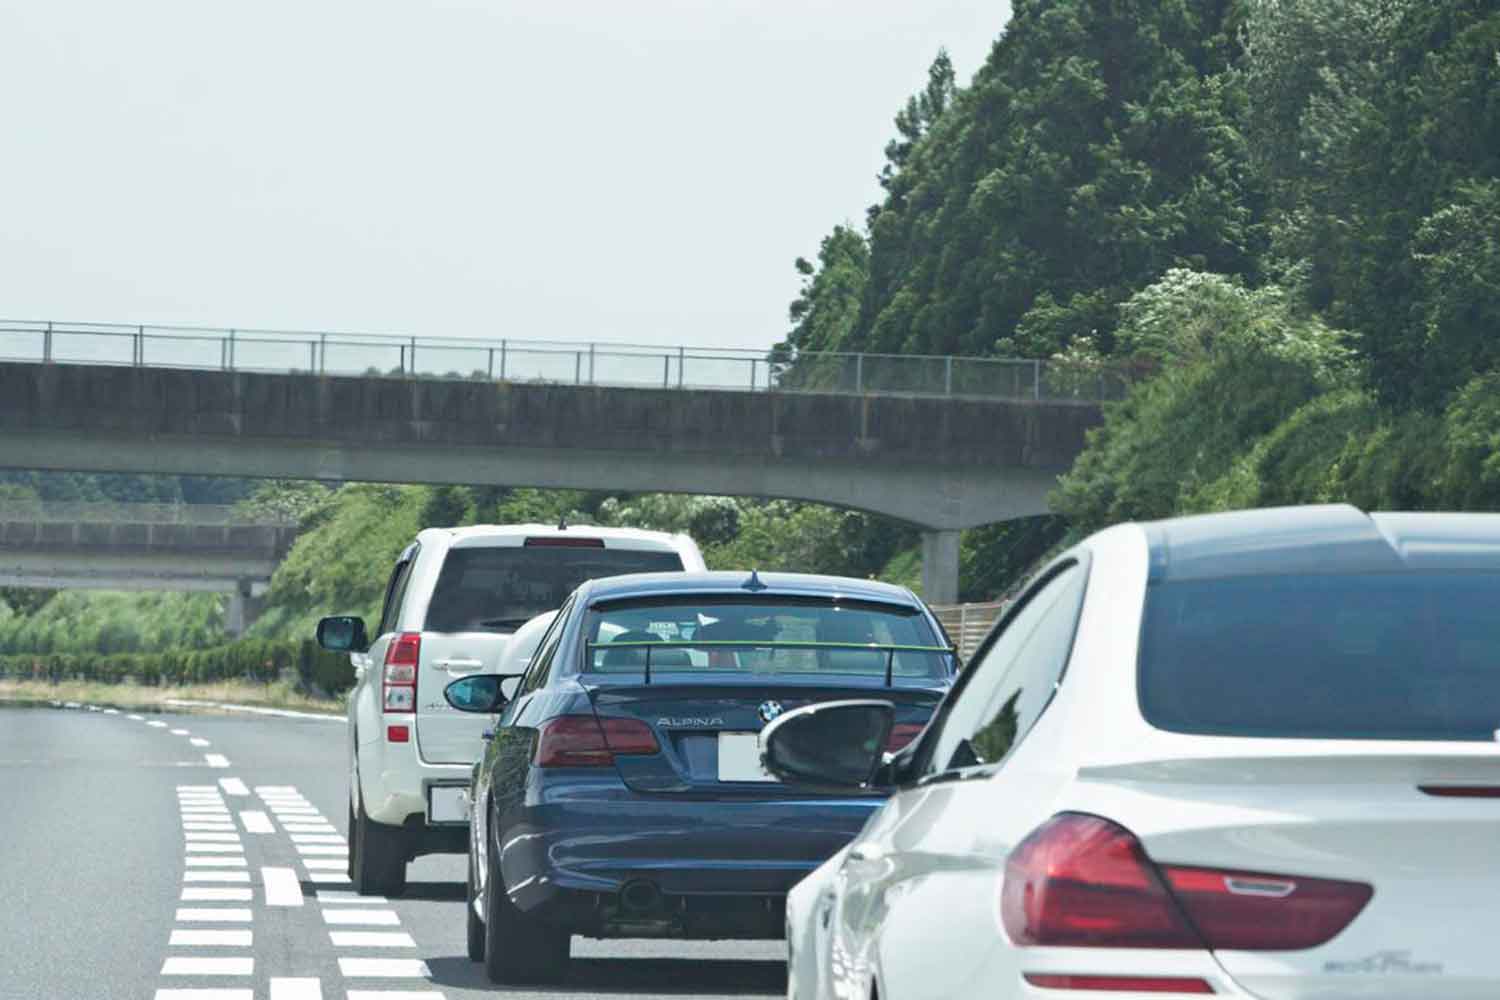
<point x="557" y="362"/>
<point x="90" y="512"/>
<point x="968" y="624"/>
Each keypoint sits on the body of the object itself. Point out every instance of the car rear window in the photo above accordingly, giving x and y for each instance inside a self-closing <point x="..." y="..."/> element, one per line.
<point x="1403" y="656"/>
<point x="497" y="589"/>
<point x="764" y="636"/>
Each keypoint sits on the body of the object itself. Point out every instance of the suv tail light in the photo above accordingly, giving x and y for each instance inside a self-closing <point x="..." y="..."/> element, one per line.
<point x="1083" y="881"/>
<point x="902" y="733"/>
<point x="562" y="542"/>
<point x="584" y="741"/>
<point x="398" y="687"/>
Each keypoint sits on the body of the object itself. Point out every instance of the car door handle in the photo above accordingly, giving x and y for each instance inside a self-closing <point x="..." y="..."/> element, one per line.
<point x="866" y="852"/>
<point x="458" y="663"/>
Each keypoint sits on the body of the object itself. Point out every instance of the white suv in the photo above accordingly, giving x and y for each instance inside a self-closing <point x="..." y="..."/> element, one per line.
<point x="455" y="599"/>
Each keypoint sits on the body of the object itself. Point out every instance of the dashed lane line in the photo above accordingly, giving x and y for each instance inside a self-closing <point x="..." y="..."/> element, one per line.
<point x="233" y="786"/>
<point x="256" y="821"/>
<point x="384" y="968"/>
<point x="216" y="894"/>
<point x="199" y="875"/>
<point x="215" y="760"/>
<point x="286" y="988"/>
<point x="282" y="887"/>
<point x="155" y="724"/>
<point x="193" y="936"/>
<point x="178" y="965"/>
<point x="199" y="741"/>
<point x="371" y="939"/>
<point x="194" y="860"/>
<point x="216" y="915"/>
<point x="368" y="918"/>
<point x="179" y="732"/>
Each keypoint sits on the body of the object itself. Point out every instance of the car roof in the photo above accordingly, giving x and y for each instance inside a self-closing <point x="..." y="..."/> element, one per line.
<point x="1334" y="538"/>
<point x="474" y="535"/>
<point x="734" y="582"/>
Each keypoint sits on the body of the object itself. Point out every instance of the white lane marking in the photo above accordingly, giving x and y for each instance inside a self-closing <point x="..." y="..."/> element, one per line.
<point x="182" y="936"/>
<point x="326" y="864"/>
<point x="395" y="995"/>
<point x="284" y="713"/>
<point x="308" y="827"/>
<point x="233" y="786"/>
<point x="178" y="966"/>
<point x="282" y="887"/>
<point x="296" y="989"/>
<point x="198" y="788"/>
<point x="371" y="939"/>
<point x="194" y="795"/>
<point x="214" y="862"/>
<point x="329" y="878"/>
<point x="215" y="760"/>
<point x="321" y="849"/>
<point x="201" y="848"/>
<point x="369" y="918"/>
<point x="226" y="915"/>
<point x="326" y="896"/>
<point x="206" y="995"/>
<point x="157" y="725"/>
<point x="214" y="894"/>
<point x="256" y="821"/>
<point x="384" y="968"/>
<point x="290" y="811"/>
<point x="317" y="838"/>
<point x="178" y="732"/>
<point x="262" y="789"/>
<point x="136" y="718"/>
<point x="205" y="826"/>
<point x="199" y="741"/>
<point x="212" y="837"/>
<point x="111" y="711"/>
<point x="198" y="875"/>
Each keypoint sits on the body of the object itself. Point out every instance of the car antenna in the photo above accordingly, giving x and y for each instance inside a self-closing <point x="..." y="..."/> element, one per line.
<point x="753" y="584"/>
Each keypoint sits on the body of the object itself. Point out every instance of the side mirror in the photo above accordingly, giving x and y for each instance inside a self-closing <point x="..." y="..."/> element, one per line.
<point x="480" y="693"/>
<point x="343" y="634"/>
<point x="837" y="744"/>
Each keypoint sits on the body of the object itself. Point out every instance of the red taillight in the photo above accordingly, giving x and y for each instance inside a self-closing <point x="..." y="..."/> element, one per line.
<point x="1083" y="881"/>
<point x="1121" y="984"/>
<point x="568" y="542"/>
<point x="584" y="741"/>
<point x="398" y="734"/>
<point x="902" y="733"/>
<point x="1461" y="791"/>
<point x="399" y="680"/>
<point x="1246" y="911"/>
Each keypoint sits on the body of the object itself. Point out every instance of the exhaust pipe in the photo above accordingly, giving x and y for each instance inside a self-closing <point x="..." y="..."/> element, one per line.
<point x="640" y="897"/>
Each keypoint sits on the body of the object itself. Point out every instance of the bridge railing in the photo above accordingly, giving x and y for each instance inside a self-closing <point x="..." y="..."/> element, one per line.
<point x="93" y="512"/>
<point x="559" y="362"/>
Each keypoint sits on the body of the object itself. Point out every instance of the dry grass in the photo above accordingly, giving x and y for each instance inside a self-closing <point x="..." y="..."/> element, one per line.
<point x="137" y="697"/>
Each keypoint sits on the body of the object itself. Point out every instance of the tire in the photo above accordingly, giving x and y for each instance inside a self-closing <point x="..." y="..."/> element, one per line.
<point x="377" y="857"/>
<point x="517" y="948"/>
<point x="475" y="925"/>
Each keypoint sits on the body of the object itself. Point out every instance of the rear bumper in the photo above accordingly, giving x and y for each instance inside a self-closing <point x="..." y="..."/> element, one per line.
<point x="578" y="841"/>
<point x="393" y="786"/>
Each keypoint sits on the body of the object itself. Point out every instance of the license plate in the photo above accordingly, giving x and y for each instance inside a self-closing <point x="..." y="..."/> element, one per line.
<point x="739" y="758"/>
<point x="448" y="804"/>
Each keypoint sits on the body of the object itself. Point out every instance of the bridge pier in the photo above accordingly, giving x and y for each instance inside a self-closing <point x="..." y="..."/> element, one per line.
<point x="940" y="566"/>
<point x="241" y="610"/>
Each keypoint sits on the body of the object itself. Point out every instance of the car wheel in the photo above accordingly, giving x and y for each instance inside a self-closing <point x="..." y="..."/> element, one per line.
<point x="517" y="948"/>
<point x="377" y="857"/>
<point x="475" y="925"/>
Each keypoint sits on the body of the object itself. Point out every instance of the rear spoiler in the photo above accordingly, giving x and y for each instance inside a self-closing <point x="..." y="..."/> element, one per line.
<point x="889" y="649"/>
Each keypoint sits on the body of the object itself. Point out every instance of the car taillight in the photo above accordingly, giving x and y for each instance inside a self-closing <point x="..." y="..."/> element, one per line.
<point x="563" y="542"/>
<point x="399" y="681"/>
<point x="902" y="733"/>
<point x="1083" y="881"/>
<point x="584" y="741"/>
<point x="1121" y="984"/>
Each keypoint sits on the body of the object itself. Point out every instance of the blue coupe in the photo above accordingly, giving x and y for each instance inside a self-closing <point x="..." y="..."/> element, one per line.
<point x="622" y="792"/>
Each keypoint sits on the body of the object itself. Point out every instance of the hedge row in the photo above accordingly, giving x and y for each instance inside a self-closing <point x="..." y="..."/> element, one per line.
<point x="261" y="660"/>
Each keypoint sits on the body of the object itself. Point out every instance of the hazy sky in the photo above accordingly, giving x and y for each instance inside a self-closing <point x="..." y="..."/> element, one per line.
<point x="628" y="170"/>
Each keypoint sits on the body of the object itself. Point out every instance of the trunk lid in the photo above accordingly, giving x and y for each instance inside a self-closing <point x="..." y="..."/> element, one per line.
<point x="695" y="720"/>
<point x="1419" y="822"/>
<point x="444" y="734"/>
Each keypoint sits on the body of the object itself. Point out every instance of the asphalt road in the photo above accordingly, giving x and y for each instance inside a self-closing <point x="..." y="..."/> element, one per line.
<point x="131" y="867"/>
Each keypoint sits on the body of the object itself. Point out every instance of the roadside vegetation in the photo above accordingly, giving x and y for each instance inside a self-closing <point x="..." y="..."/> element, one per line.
<point x="1286" y="211"/>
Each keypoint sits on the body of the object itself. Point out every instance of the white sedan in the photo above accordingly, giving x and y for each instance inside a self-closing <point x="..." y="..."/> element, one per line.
<point x="1247" y="755"/>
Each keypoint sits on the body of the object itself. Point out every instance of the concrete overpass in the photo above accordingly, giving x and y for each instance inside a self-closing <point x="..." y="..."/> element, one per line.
<point x="919" y="445"/>
<point x="106" y="546"/>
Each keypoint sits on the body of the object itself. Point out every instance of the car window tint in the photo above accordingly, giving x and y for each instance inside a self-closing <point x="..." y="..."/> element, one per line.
<point x="499" y="588"/>
<point x="395" y="593"/>
<point x="1350" y="656"/>
<point x="1014" y="678"/>
<point x="546" y="651"/>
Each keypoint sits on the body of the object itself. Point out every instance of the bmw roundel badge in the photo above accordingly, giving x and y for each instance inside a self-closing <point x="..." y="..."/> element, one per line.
<point x="769" y="710"/>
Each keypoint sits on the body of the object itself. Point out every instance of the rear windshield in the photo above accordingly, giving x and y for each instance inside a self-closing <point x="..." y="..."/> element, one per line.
<point x="1404" y="656"/>
<point x="500" y="589"/>
<point x="770" y="636"/>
